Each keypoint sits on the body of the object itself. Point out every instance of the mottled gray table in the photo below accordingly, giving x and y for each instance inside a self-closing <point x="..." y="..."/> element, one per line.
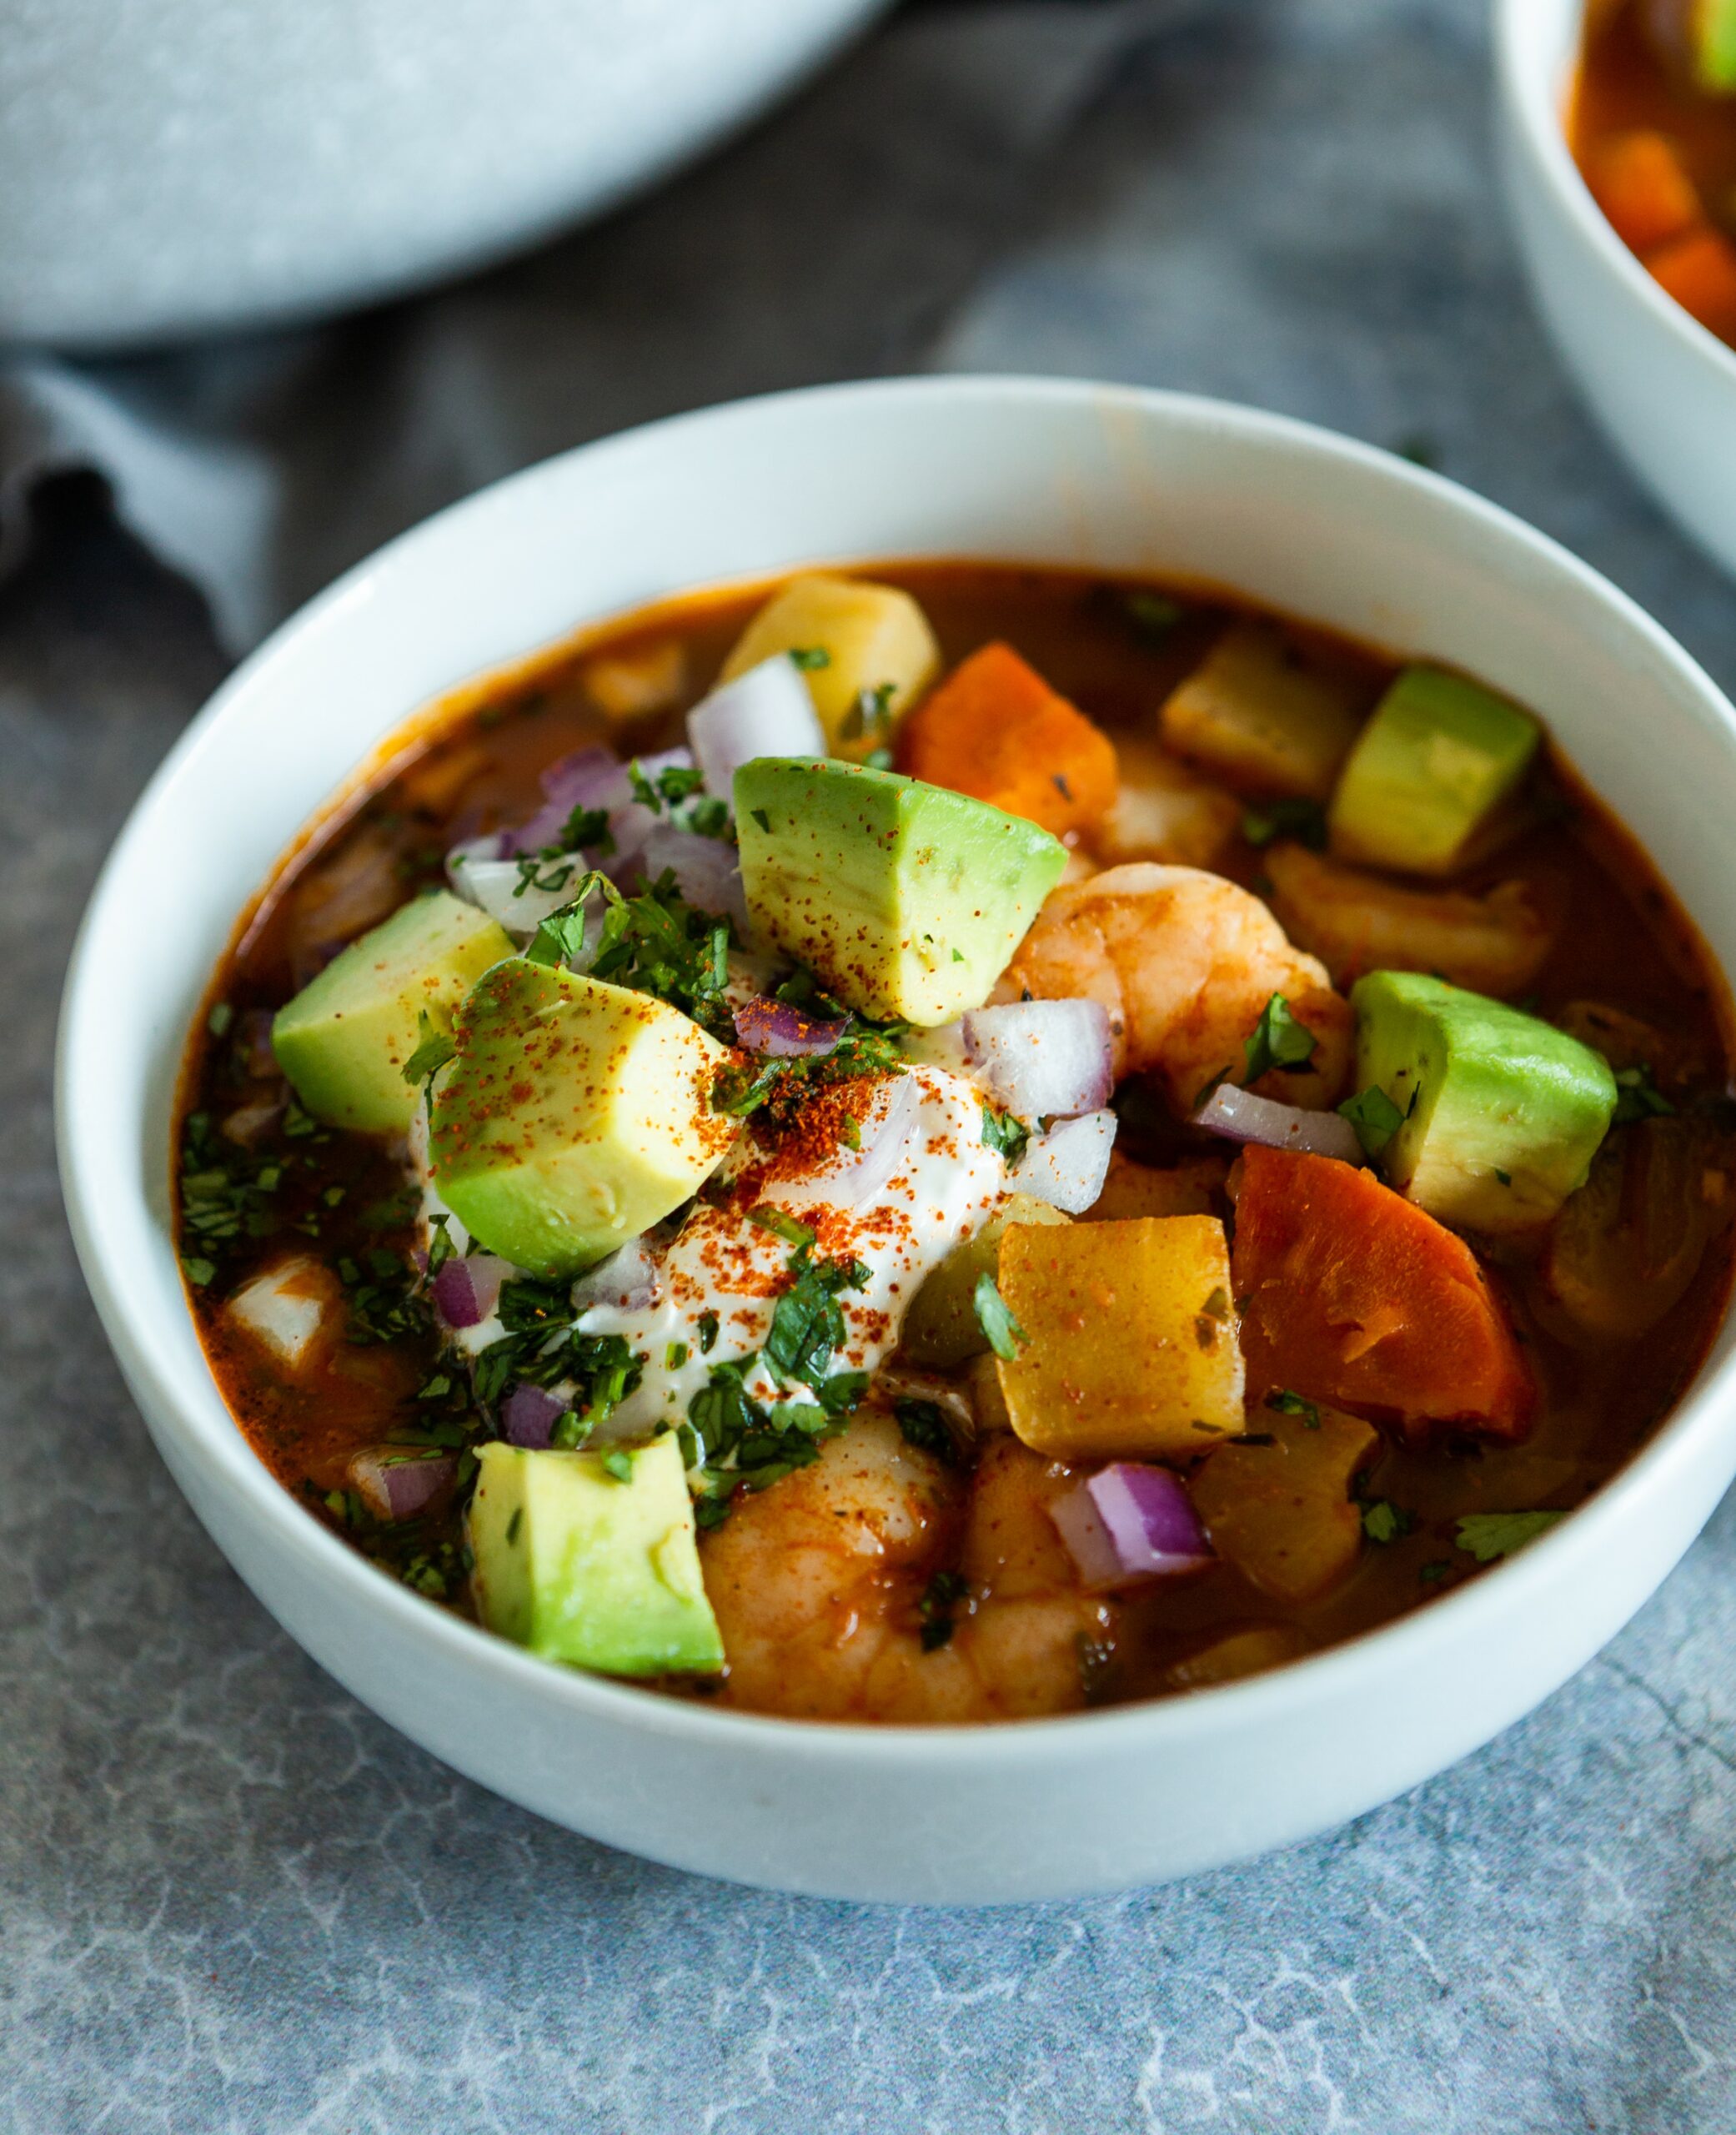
<point x="233" y="1900"/>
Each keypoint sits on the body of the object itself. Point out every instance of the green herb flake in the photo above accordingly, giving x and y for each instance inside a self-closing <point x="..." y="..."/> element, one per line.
<point x="1006" y="1136"/>
<point x="1637" y="1096"/>
<point x="1288" y="1404"/>
<point x="197" y="1270"/>
<point x="766" y="1217"/>
<point x="923" y="1424"/>
<point x="1374" y="1116"/>
<point x="1000" y="1329"/>
<point x="1290" y="816"/>
<point x="221" y="1017"/>
<point x="1279" y="1040"/>
<point x="940" y="1597"/>
<point x="1154" y="616"/>
<point x="675" y="1356"/>
<point x="618" y="1464"/>
<point x="708" y="1324"/>
<point x="434" y="1047"/>
<point x="763" y="820"/>
<point x="1434" y="1571"/>
<point x="1488" y="1535"/>
<point x="810" y="659"/>
<point x="1383" y="1521"/>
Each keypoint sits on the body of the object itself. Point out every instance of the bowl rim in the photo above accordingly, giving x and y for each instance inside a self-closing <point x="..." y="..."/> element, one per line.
<point x="1533" y="97"/>
<point x="1498" y="1594"/>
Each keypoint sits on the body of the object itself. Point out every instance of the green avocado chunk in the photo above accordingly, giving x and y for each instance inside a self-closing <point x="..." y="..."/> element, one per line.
<point x="907" y="900"/>
<point x="1503" y="1113"/>
<point x="941" y="1328"/>
<point x="574" y="1115"/>
<point x="1712" y="43"/>
<point x="592" y="1564"/>
<point x="1439" y="756"/>
<point x="345" y="1040"/>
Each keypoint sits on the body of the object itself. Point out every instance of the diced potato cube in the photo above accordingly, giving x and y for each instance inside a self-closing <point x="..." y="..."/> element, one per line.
<point x="1130" y="1349"/>
<point x="1282" y="1513"/>
<point x="290" y="1310"/>
<point x="1355" y="922"/>
<point x="1136" y="1189"/>
<point x="1251" y="711"/>
<point x="940" y="1328"/>
<point x="639" y="680"/>
<point x="1163" y="811"/>
<point x="880" y="654"/>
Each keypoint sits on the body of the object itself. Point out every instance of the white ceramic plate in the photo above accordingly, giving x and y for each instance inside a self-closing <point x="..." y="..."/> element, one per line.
<point x="1106" y="477"/>
<point x="1663" y="387"/>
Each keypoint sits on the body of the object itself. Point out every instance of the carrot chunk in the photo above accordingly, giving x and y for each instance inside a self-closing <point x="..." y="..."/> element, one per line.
<point x="1643" y="188"/>
<point x="1351" y="1297"/>
<point x="1699" y="270"/>
<point x="996" y="729"/>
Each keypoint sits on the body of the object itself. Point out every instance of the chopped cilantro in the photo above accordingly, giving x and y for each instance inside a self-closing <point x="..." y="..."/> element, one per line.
<point x="710" y="817"/>
<point x="764" y="1218"/>
<point x="1488" y="1536"/>
<point x="871" y="713"/>
<point x="1374" y="1116"/>
<point x="1001" y="1330"/>
<point x="1291" y="816"/>
<point x="655" y="943"/>
<point x="934" y="1609"/>
<point x="807" y="1322"/>
<point x="1434" y="1571"/>
<point x="197" y="1270"/>
<point x="1153" y="615"/>
<point x="434" y="1047"/>
<point x="1383" y="1521"/>
<point x="440" y="1248"/>
<point x="618" y="1463"/>
<point x="1506" y="1177"/>
<point x="675" y="1356"/>
<point x="708" y="1332"/>
<point x="881" y="760"/>
<point x="218" y="1021"/>
<point x="924" y="1426"/>
<point x="762" y="818"/>
<point x="1637" y="1096"/>
<point x="1279" y="1040"/>
<point x="1006" y="1136"/>
<point x="1292" y="1404"/>
<point x="810" y="658"/>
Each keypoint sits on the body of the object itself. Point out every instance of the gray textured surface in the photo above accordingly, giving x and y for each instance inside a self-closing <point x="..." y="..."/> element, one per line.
<point x="232" y="1900"/>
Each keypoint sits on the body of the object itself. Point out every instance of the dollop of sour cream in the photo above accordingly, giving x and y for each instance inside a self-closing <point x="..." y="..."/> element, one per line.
<point x="942" y="1183"/>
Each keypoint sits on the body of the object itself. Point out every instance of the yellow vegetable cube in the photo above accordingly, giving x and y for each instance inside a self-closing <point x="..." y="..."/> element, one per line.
<point x="1282" y="1513"/>
<point x="1131" y="1351"/>
<point x="1250" y="711"/>
<point x="940" y="1328"/>
<point x="879" y="654"/>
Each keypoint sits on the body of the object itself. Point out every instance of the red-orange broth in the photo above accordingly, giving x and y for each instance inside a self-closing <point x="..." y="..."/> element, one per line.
<point x="1619" y="942"/>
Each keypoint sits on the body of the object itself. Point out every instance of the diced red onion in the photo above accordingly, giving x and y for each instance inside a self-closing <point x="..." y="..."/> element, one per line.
<point x="1130" y="1523"/>
<point x="394" y="1484"/>
<point x="529" y="1415"/>
<point x="1239" y="1116"/>
<point x="781" y="1031"/>
<point x="499" y="889"/>
<point x="766" y="712"/>
<point x="854" y="1176"/>
<point x="628" y="1278"/>
<point x="588" y="778"/>
<point x="1066" y="1166"/>
<point x="248" y="1122"/>
<point x="706" y="869"/>
<point x="1044" y="1059"/>
<point x="467" y="1287"/>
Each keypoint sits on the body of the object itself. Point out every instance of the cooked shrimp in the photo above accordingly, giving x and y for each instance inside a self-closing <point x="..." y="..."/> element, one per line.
<point x="827" y="1592"/>
<point x="1184" y="962"/>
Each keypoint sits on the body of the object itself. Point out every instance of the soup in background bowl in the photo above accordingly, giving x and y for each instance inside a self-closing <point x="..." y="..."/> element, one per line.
<point x="1438" y="634"/>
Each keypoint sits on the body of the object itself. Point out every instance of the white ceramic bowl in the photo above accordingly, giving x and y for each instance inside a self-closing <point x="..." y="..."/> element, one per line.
<point x="172" y="167"/>
<point x="1664" y="388"/>
<point x="1102" y="476"/>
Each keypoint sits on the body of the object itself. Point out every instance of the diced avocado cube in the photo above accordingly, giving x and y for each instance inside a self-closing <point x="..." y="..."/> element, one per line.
<point x="1502" y="1114"/>
<point x="1712" y="43"/>
<point x="941" y="1328"/>
<point x="590" y="1558"/>
<point x="344" y="1039"/>
<point x="865" y="652"/>
<point x="1428" y="773"/>
<point x="906" y="900"/>
<point x="574" y="1115"/>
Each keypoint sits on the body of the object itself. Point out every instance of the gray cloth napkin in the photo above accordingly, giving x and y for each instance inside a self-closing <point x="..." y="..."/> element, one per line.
<point x="831" y="241"/>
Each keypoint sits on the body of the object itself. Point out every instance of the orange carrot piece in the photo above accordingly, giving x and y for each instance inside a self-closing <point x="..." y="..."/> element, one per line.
<point x="1699" y="271"/>
<point x="1642" y="184"/>
<point x="996" y="729"/>
<point x="1353" y="1296"/>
